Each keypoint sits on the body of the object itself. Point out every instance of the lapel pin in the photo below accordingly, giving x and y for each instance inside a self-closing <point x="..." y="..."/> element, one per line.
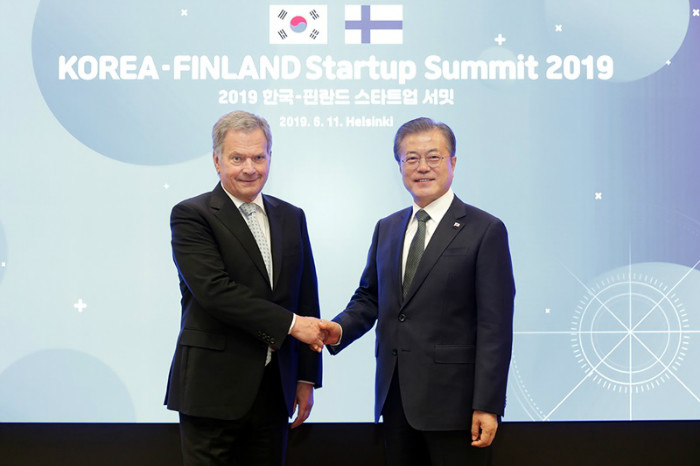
<point x="456" y="225"/>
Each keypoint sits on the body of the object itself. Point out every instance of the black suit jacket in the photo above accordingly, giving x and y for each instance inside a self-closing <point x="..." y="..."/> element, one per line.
<point x="230" y="314"/>
<point x="452" y="335"/>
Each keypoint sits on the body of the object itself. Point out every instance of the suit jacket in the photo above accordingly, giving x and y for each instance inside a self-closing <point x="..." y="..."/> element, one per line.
<point x="452" y="335"/>
<point x="230" y="314"/>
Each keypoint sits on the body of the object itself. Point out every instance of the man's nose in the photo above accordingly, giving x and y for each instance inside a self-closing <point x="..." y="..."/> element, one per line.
<point x="423" y="165"/>
<point x="248" y="165"/>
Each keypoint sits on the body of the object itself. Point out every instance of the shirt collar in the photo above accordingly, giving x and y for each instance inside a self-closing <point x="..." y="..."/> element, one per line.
<point x="258" y="201"/>
<point x="438" y="208"/>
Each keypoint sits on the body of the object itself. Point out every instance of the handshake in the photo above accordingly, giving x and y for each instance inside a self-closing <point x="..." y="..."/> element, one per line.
<point x="316" y="332"/>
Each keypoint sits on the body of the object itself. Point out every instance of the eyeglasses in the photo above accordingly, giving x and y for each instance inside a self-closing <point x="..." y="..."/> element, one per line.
<point x="432" y="160"/>
<point x="256" y="159"/>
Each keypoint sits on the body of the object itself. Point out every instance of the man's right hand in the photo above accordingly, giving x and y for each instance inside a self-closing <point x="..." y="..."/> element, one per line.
<point x="308" y="330"/>
<point x="332" y="332"/>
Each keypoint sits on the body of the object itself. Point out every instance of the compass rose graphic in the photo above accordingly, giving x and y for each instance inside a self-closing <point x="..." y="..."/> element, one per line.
<point x="629" y="333"/>
<point x="630" y="336"/>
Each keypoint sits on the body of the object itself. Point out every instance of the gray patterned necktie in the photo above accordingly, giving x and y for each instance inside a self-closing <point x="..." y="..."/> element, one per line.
<point x="248" y="210"/>
<point x="415" y="251"/>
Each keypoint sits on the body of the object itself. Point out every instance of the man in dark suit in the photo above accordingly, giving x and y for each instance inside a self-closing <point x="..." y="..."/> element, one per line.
<point x="439" y="284"/>
<point x="248" y="282"/>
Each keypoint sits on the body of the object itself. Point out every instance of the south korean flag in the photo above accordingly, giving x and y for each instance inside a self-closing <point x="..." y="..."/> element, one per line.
<point x="298" y="24"/>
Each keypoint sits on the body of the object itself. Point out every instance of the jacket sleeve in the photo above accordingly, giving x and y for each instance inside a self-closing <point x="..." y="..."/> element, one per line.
<point x="495" y="292"/>
<point x="310" y="368"/>
<point x="361" y="312"/>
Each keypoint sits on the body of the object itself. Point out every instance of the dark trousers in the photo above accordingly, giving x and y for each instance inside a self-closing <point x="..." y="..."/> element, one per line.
<point x="406" y="446"/>
<point x="259" y="438"/>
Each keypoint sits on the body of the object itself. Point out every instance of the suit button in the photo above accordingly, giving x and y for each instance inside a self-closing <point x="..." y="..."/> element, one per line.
<point x="394" y="352"/>
<point x="402" y="317"/>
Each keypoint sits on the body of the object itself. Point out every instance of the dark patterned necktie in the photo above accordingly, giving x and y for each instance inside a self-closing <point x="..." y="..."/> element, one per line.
<point x="415" y="251"/>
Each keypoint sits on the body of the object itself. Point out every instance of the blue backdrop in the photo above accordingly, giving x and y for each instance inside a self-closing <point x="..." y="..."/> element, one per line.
<point x="589" y="157"/>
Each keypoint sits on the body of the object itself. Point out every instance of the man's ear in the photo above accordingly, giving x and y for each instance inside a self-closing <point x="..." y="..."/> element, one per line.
<point x="216" y="162"/>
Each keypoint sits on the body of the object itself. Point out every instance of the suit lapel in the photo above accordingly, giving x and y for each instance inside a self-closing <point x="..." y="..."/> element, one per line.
<point x="395" y="255"/>
<point x="451" y="224"/>
<point x="276" y="233"/>
<point x="225" y="210"/>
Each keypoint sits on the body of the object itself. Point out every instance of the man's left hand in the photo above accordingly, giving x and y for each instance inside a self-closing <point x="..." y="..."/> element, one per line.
<point x="484" y="427"/>
<point x="303" y="402"/>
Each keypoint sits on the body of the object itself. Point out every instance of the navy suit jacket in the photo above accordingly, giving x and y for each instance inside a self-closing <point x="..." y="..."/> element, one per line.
<point x="452" y="335"/>
<point x="230" y="314"/>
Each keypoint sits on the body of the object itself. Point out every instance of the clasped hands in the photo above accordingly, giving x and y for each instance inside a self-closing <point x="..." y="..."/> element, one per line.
<point x="316" y="332"/>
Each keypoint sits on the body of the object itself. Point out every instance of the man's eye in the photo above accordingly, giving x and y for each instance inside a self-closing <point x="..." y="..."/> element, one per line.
<point x="433" y="159"/>
<point x="259" y="158"/>
<point x="411" y="160"/>
<point x="236" y="159"/>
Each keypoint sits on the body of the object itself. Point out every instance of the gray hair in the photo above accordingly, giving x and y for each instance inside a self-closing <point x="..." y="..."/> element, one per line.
<point x="238" y="121"/>
<point x="421" y="125"/>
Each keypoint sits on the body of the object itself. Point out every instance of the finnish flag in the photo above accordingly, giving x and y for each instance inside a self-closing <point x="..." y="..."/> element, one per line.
<point x="298" y="24"/>
<point x="374" y="24"/>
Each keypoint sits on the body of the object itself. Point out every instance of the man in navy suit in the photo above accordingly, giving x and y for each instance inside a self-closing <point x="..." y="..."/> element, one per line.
<point x="248" y="285"/>
<point x="439" y="285"/>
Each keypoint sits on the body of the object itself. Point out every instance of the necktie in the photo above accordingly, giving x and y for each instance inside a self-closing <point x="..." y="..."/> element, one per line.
<point x="248" y="210"/>
<point x="415" y="251"/>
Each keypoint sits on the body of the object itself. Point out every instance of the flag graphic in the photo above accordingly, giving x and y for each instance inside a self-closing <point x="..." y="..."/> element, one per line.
<point x="298" y="24"/>
<point x="374" y="24"/>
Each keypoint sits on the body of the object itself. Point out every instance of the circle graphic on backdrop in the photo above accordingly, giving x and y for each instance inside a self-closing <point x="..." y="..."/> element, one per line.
<point x="298" y="24"/>
<point x="625" y="352"/>
<point x="135" y="96"/>
<point x="630" y="332"/>
<point x="61" y="385"/>
<point x="640" y="39"/>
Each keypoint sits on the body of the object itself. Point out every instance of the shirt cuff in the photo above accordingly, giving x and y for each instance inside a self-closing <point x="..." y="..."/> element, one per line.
<point x="339" y="338"/>
<point x="294" y="319"/>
